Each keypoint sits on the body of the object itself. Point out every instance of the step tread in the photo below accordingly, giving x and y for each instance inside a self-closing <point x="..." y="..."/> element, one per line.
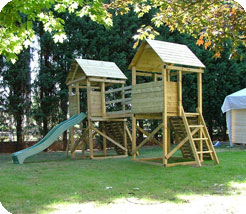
<point x="202" y="138"/>
<point x="196" y="126"/>
<point x="204" y="152"/>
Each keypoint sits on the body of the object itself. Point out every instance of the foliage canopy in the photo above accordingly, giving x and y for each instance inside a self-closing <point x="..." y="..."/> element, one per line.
<point x="213" y="23"/>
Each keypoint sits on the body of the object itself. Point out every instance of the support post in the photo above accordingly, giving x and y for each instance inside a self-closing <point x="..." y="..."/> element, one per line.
<point x="180" y="92"/>
<point x="123" y="97"/>
<point x="103" y="99"/>
<point x="78" y="98"/>
<point x="155" y="77"/>
<point x="71" y="131"/>
<point x="134" y="82"/>
<point x="89" y="119"/>
<point x="104" y="140"/>
<point x="199" y="99"/>
<point x="168" y="139"/>
<point x="125" y="137"/>
<point x="199" y="90"/>
<point x="164" y="114"/>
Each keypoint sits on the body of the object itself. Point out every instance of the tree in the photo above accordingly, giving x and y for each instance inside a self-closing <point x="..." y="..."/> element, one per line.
<point x="212" y="23"/>
<point x="18" y="17"/>
<point x="17" y="84"/>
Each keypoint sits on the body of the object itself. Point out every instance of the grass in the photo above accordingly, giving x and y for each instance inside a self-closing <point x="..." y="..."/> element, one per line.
<point x="49" y="179"/>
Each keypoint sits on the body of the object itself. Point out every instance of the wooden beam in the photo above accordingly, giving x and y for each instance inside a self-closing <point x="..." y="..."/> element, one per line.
<point x="108" y="138"/>
<point x="182" y="163"/>
<point x="119" y="101"/>
<point x="147" y="139"/>
<point x="80" y="139"/>
<point x="104" y="139"/>
<point x="85" y="87"/>
<point x="178" y="68"/>
<point x="149" y="116"/>
<point x="150" y="74"/>
<point x="75" y="71"/>
<point x="119" y="112"/>
<point x="149" y="162"/>
<point x="118" y="89"/>
<point x="147" y="134"/>
<point x="78" y="99"/>
<point x="199" y="99"/>
<point x="134" y="121"/>
<point x="89" y="118"/>
<point x="129" y="134"/>
<point x="110" y="157"/>
<point x="93" y="79"/>
<point x="199" y="91"/>
<point x="103" y="99"/>
<point x="180" y="93"/>
<point x="125" y="137"/>
<point x="76" y="81"/>
<point x="164" y="115"/>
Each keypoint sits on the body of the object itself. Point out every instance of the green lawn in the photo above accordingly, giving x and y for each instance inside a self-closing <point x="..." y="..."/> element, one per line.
<point x="49" y="179"/>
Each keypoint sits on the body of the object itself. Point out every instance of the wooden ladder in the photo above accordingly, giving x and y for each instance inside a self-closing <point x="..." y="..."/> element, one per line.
<point x="200" y="142"/>
<point x="115" y="130"/>
<point x="177" y="125"/>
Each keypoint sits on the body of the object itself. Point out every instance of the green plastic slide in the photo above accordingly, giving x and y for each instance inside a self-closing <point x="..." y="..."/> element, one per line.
<point x="52" y="135"/>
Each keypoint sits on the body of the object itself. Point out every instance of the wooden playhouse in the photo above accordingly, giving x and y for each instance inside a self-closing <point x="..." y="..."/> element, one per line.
<point x="158" y="99"/>
<point x="161" y="99"/>
<point x="92" y="77"/>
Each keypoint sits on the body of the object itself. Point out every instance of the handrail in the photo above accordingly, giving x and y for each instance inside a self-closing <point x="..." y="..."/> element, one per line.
<point x="123" y="100"/>
<point x="118" y="89"/>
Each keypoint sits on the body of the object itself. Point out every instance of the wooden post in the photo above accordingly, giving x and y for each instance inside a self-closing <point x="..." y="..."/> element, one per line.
<point x="123" y="97"/>
<point x="78" y="98"/>
<point x="155" y="77"/>
<point x="89" y="119"/>
<point x="168" y="75"/>
<point x="199" y="99"/>
<point x="125" y="138"/>
<point x="168" y="139"/>
<point x="180" y="93"/>
<point x="164" y="114"/>
<point x="103" y="99"/>
<point x="134" y="82"/>
<point x="71" y="131"/>
<point x="199" y="90"/>
<point x="104" y="140"/>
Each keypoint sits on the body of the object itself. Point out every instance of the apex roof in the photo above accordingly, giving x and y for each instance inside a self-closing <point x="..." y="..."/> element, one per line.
<point x="169" y="53"/>
<point x="95" y="68"/>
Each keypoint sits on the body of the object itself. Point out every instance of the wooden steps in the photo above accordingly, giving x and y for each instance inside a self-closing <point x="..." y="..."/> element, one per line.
<point x="201" y="144"/>
<point x="191" y="132"/>
<point x="115" y="130"/>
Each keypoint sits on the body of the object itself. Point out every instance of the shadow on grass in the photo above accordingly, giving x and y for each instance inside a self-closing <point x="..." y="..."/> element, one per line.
<point x="38" y="186"/>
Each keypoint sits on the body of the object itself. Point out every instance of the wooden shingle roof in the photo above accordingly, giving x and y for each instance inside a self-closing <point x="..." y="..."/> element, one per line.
<point x="94" y="68"/>
<point x="168" y="52"/>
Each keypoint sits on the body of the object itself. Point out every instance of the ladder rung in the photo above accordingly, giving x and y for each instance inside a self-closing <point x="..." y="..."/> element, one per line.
<point x="200" y="138"/>
<point x="191" y="114"/>
<point x="204" y="152"/>
<point x="196" y="126"/>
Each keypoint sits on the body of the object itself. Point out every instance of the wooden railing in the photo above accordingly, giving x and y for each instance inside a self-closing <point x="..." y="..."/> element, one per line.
<point x="120" y="105"/>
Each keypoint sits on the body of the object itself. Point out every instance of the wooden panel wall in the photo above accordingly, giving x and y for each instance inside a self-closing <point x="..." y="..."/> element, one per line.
<point x="148" y="97"/>
<point x="73" y="105"/>
<point x="96" y="104"/>
<point x="239" y="126"/>
<point x="172" y="97"/>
